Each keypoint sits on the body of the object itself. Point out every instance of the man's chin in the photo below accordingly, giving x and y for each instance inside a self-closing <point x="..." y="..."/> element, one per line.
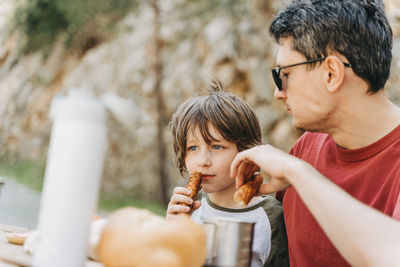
<point x="302" y="127"/>
<point x="307" y="128"/>
<point x="296" y="125"/>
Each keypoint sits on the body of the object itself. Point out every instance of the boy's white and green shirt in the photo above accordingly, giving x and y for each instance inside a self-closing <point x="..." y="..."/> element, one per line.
<point x="270" y="241"/>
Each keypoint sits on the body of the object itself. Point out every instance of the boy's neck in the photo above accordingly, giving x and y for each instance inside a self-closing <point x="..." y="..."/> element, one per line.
<point x="224" y="198"/>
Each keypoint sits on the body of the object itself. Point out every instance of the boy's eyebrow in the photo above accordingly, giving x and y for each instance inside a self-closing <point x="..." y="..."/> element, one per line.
<point x="221" y="140"/>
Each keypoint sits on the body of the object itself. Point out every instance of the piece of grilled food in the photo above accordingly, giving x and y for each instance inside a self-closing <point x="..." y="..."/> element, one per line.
<point x="247" y="191"/>
<point x="194" y="185"/>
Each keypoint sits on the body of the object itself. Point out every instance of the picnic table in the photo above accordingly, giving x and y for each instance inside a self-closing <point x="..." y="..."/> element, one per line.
<point x="12" y="255"/>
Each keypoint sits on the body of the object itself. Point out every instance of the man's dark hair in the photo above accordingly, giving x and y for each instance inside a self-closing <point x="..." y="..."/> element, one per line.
<point x="357" y="29"/>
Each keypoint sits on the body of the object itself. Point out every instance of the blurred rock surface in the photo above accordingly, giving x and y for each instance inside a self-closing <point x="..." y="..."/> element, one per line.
<point x="232" y="46"/>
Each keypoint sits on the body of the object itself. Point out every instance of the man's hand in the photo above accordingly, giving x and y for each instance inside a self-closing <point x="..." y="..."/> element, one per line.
<point x="271" y="160"/>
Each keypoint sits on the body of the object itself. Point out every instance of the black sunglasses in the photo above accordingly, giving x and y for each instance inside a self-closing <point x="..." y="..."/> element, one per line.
<point x="276" y="72"/>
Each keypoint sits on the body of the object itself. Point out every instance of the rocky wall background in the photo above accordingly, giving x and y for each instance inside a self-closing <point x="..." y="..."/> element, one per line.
<point x="196" y="41"/>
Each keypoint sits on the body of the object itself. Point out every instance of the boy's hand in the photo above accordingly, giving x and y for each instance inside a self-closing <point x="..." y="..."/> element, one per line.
<point x="181" y="196"/>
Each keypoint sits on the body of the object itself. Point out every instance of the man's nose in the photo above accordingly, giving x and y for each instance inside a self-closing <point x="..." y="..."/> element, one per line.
<point x="280" y="94"/>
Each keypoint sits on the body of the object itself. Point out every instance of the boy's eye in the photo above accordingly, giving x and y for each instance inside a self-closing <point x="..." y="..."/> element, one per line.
<point x="192" y="148"/>
<point x="285" y="75"/>
<point x="217" y="147"/>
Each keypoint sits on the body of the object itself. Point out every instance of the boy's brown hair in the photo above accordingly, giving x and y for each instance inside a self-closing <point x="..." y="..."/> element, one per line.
<point x="231" y="116"/>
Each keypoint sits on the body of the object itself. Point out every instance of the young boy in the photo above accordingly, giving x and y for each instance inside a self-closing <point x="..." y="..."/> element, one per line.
<point x="208" y="131"/>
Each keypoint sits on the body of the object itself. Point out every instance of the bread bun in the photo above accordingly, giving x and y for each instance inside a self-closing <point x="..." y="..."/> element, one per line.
<point x="137" y="237"/>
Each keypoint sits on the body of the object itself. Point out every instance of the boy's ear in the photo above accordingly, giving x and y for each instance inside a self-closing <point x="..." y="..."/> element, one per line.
<point x="334" y="73"/>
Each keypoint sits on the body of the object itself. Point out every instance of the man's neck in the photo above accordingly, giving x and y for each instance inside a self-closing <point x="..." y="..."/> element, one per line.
<point x="365" y="121"/>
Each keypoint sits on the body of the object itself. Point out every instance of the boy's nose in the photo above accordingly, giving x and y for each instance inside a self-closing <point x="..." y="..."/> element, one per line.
<point x="205" y="163"/>
<point x="204" y="160"/>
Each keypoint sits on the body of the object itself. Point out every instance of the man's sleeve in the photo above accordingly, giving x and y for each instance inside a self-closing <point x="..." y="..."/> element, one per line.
<point x="396" y="212"/>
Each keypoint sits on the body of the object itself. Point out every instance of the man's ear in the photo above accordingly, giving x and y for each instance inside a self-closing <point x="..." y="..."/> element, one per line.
<point x="334" y="73"/>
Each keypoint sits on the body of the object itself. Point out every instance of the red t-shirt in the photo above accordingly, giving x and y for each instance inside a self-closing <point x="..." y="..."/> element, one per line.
<point x="370" y="174"/>
<point x="396" y="212"/>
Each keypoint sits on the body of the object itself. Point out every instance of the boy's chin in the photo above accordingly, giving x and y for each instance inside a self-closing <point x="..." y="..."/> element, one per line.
<point x="206" y="191"/>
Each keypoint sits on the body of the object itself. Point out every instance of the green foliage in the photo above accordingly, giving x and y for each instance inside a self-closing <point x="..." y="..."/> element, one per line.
<point x="31" y="174"/>
<point x="113" y="203"/>
<point x="28" y="172"/>
<point x="207" y="8"/>
<point x="82" y="23"/>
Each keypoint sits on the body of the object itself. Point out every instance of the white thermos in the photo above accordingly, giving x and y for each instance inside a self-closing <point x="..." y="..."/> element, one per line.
<point x="72" y="179"/>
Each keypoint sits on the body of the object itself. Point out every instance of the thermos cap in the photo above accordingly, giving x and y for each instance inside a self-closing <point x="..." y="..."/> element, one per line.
<point x="78" y="106"/>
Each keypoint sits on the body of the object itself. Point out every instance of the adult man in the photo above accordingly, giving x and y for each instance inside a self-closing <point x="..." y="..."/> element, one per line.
<point x="346" y="221"/>
<point x="333" y="62"/>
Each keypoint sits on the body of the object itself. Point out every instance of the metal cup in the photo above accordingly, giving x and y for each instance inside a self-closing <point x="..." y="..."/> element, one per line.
<point x="229" y="242"/>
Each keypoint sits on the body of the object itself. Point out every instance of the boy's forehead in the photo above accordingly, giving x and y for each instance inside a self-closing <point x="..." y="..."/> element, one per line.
<point x="195" y="132"/>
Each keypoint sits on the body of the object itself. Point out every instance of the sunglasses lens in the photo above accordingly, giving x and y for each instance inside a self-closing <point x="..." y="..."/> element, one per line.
<point x="277" y="79"/>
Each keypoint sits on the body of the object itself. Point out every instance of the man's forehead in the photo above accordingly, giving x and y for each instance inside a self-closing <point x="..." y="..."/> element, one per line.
<point x="286" y="53"/>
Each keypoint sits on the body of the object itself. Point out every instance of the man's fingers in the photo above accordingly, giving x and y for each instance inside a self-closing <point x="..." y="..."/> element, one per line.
<point x="269" y="188"/>
<point x="243" y="171"/>
<point x="265" y="189"/>
<point x="237" y="162"/>
<point x="251" y="168"/>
